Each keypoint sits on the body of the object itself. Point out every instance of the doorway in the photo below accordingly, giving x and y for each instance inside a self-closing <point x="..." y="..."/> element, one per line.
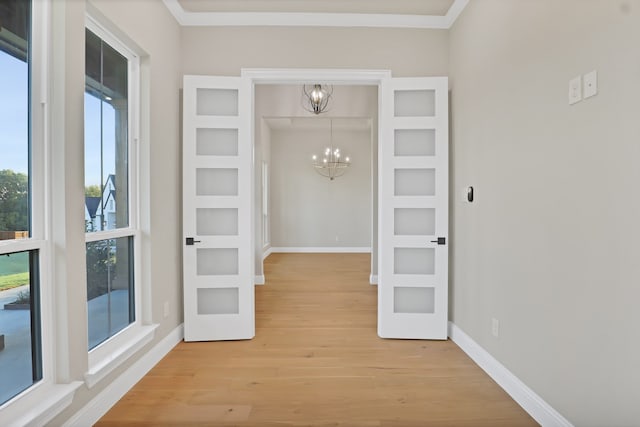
<point x="299" y="210"/>
<point x="219" y="201"/>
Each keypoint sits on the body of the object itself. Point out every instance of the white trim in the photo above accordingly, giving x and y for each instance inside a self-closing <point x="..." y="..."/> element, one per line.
<point x="354" y="77"/>
<point x="44" y="403"/>
<point x="315" y="19"/>
<point x="99" y="405"/>
<point x="42" y="400"/>
<point x="106" y="357"/>
<point x="118" y="233"/>
<point x="373" y="279"/>
<point x="133" y="339"/>
<point x="21" y="245"/>
<point x="454" y="11"/>
<point x="535" y="406"/>
<point x="258" y="280"/>
<point x="267" y="252"/>
<point x="306" y="250"/>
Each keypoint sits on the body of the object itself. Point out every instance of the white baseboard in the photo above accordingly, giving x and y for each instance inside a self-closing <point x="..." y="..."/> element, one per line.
<point x="258" y="280"/>
<point x="99" y="405"/>
<point x="540" y="410"/>
<point x="373" y="279"/>
<point x="298" y="249"/>
<point x="267" y="252"/>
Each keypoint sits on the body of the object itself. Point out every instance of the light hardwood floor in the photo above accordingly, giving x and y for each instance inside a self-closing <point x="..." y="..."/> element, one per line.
<point x="316" y="361"/>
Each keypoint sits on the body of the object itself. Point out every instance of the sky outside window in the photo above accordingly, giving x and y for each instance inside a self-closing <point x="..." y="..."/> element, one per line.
<point x="14" y="125"/>
<point x="14" y="114"/>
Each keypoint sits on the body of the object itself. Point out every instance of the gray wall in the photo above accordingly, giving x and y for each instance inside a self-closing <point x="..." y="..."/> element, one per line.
<point x="308" y="210"/>
<point x="161" y="224"/>
<point x="272" y="101"/>
<point x="225" y="50"/>
<point x="550" y="247"/>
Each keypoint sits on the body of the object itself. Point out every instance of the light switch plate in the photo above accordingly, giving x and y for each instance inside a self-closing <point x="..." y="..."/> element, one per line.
<point x="590" y="84"/>
<point x="575" y="90"/>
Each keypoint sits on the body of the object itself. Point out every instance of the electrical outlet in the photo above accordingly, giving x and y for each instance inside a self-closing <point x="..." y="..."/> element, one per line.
<point x="495" y="327"/>
<point x="166" y="309"/>
<point x="575" y="90"/>
<point x="590" y="84"/>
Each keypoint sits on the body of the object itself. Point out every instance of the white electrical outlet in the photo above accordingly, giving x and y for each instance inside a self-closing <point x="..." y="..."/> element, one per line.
<point x="575" y="90"/>
<point x="590" y="84"/>
<point x="166" y="309"/>
<point x="495" y="327"/>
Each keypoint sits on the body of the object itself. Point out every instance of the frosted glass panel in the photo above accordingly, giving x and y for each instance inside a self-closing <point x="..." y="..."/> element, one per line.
<point x="218" y="301"/>
<point x="414" y="300"/>
<point x="415" y="182"/>
<point x="214" y="261"/>
<point x="414" y="222"/>
<point x="414" y="260"/>
<point x="415" y="142"/>
<point x="217" y="222"/>
<point x="217" y="182"/>
<point x="217" y="142"/>
<point x="415" y="103"/>
<point x="217" y="102"/>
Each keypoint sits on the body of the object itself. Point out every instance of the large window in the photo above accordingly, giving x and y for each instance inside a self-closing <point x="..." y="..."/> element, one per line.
<point x="20" y="246"/>
<point x="110" y="220"/>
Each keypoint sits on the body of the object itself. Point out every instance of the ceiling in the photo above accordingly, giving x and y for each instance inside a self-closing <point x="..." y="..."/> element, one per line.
<point x="401" y="7"/>
<point x="424" y="14"/>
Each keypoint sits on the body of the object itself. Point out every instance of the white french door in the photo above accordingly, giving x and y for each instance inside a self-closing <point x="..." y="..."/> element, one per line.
<point x="413" y="200"/>
<point x="217" y="209"/>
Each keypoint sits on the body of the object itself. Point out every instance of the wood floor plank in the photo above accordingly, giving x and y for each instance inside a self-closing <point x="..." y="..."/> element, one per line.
<point x="316" y="361"/>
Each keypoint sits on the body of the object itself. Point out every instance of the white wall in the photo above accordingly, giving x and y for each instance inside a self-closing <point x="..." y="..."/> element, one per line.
<point x="550" y="247"/>
<point x="309" y="210"/>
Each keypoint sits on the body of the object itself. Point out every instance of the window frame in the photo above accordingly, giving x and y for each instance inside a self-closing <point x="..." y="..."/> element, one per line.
<point x="107" y="355"/>
<point x="36" y="242"/>
<point x="28" y="405"/>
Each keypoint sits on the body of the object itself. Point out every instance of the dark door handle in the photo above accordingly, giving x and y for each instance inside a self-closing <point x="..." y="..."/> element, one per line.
<point x="190" y="241"/>
<point x="440" y="241"/>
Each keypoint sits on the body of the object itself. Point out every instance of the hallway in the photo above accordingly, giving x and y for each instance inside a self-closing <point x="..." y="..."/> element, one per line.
<point x="317" y="360"/>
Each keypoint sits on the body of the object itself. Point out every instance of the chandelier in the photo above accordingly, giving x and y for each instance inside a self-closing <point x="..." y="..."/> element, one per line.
<point x="332" y="164"/>
<point x="315" y="98"/>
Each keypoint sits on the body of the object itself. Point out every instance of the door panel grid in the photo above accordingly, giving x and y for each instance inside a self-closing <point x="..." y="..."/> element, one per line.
<point x="413" y="282"/>
<point x="217" y="192"/>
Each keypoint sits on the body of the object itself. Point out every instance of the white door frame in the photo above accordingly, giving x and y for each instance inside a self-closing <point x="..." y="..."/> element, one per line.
<point x="379" y="78"/>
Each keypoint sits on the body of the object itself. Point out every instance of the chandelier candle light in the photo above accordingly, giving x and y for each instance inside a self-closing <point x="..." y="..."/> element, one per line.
<point x="332" y="164"/>
<point x="316" y="98"/>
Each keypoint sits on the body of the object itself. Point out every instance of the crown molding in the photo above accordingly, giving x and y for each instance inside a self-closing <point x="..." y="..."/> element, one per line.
<point x="293" y="19"/>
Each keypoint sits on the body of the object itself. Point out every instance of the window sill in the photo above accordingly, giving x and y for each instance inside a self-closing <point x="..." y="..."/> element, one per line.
<point x="38" y="405"/>
<point x="139" y="336"/>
